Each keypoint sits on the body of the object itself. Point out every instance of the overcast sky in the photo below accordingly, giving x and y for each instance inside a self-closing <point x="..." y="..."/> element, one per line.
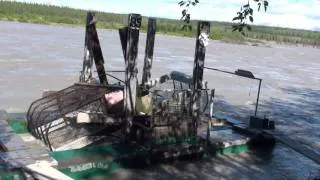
<point x="300" y="14"/>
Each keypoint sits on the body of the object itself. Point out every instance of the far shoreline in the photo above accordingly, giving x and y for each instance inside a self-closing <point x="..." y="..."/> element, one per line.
<point x="254" y="42"/>
<point x="222" y="31"/>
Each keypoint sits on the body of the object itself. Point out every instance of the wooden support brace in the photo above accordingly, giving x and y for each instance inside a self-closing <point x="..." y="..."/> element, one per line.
<point x="200" y="50"/>
<point x="134" y="23"/>
<point x="94" y="47"/>
<point x="146" y="76"/>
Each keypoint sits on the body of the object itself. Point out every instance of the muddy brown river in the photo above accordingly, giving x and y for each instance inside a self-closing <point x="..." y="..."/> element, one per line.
<point x="34" y="58"/>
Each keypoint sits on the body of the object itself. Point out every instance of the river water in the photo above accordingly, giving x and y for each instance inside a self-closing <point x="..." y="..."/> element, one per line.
<point x="34" y="58"/>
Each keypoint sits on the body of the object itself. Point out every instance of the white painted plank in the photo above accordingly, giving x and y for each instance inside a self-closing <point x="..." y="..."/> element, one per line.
<point x="44" y="170"/>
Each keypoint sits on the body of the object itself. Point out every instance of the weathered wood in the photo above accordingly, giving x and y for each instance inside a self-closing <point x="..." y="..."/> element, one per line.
<point x="3" y="115"/>
<point x="94" y="47"/>
<point x="86" y="72"/>
<point x="134" y="23"/>
<point x="21" y="150"/>
<point x="149" y="50"/>
<point x="200" y="50"/>
<point x="12" y="142"/>
<point x="123" y="34"/>
<point x="43" y="170"/>
<point x="80" y="143"/>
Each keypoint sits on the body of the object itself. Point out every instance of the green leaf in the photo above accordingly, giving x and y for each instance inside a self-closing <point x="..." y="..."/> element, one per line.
<point x="235" y="18"/>
<point x="251" y="18"/>
<point x="184" y="12"/>
<point x="196" y="1"/>
<point x="246" y="13"/>
<point x="187" y="19"/>
<point x="190" y="27"/>
<point x="182" y="3"/>
<point x="249" y="27"/>
<point x="183" y="27"/>
<point x="265" y="3"/>
<point x="240" y="28"/>
<point x="234" y="28"/>
<point x="250" y="11"/>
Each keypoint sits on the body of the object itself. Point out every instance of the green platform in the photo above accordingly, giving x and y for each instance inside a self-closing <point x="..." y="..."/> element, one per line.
<point x="104" y="160"/>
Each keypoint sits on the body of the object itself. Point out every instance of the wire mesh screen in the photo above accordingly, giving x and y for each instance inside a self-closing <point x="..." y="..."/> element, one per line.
<point x="51" y="117"/>
<point x="171" y="113"/>
<point x="172" y="109"/>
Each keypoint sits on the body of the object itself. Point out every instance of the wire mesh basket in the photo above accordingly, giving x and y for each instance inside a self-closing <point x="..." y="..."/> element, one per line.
<point x="172" y="109"/>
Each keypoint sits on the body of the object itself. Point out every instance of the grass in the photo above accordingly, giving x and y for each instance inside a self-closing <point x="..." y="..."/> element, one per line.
<point x="46" y="14"/>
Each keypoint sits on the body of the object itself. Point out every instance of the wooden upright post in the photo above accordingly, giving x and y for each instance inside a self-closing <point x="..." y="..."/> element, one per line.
<point x="134" y="23"/>
<point x="94" y="47"/>
<point x="200" y="50"/>
<point x="146" y="76"/>
<point x="86" y="72"/>
<point x="123" y="33"/>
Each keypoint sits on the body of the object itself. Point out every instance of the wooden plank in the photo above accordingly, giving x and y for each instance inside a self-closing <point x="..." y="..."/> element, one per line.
<point x="9" y="139"/>
<point x="3" y="115"/>
<point x="43" y="170"/>
<point x="146" y="76"/>
<point x="200" y="50"/>
<point x="22" y="158"/>
<point x="32" y="143"/>
<point x="86" y="72"/>
<point x="123" y="33"/>
<point x="20" y="153"/>
<point x="12" y="142"/>
<point x="93" y="45"/>
<point x="5" y="128"/>
<point x="24" y="154"/>
<point x="228" y="119"/>
<point x="225" y="138"/>
<point x="134" y="23"/>
<point x="80" y="143"/>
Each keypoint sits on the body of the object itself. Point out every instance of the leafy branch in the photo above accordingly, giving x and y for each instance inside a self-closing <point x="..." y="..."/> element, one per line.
<point x="240" y="21"/>
<point x="185" y="12"/>
<point x="245" y="13"/>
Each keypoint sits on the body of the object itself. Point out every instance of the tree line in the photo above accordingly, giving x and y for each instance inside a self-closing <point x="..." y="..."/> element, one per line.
<point x="47" y="14"/>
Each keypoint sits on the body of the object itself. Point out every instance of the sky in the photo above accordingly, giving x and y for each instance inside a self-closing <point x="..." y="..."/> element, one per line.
<point x="299" y="14"/>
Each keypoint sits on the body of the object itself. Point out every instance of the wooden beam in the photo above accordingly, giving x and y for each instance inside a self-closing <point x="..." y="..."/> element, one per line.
<point x="134" y="23"/>
<point x="146" y="76"/>
<point x="86" y="72"/>
<point x="123" y="33"/>
<point x="94" y="47"/>
<point x="200" y="50"/>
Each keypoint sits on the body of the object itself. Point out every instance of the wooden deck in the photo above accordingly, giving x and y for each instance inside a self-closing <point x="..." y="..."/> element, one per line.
<point x="24" y="152"/>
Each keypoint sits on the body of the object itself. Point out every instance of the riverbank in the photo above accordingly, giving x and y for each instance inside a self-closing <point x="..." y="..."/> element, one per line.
<point x="222" y="31"/>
